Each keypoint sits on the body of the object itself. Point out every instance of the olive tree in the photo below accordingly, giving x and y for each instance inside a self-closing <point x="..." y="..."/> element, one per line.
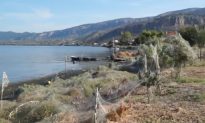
<point x="151" y="66"/>
<point x="180" y="51"/>
<point x="173" y="51"/>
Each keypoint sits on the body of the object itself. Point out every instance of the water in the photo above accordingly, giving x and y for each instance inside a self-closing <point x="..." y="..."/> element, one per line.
<point x="29" y="62"/>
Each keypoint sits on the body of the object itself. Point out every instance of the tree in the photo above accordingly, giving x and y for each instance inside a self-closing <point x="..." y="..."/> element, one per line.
<point x="166" y="59"/>
<point x="151" y="73"/>
<point x="181" y="52"/>
<point x="126" y="38"/>
<point x="189" y="34"/>
<point x="201" y="42"/>
<point x="173" y="52"/>
<point x="148" y="37"/>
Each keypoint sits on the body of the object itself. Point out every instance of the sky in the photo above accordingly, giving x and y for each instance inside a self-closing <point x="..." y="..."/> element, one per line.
<point x="48" y="15"/>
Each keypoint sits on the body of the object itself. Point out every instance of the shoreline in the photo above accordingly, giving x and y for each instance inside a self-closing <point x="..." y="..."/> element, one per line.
<point x="12" y="91"/>
<point x="50" y="45"/>
<point x="43" y="80"/>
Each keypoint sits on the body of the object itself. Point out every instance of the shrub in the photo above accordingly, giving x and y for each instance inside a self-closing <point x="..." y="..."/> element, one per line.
<point x="7" y="108"/>
<point x="33" y="114"/>
<point x="88" y="90"/>
<point x="73" y="92"/>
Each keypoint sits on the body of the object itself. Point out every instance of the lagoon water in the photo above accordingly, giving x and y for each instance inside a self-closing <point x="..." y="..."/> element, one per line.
<point x="29" y="62"/>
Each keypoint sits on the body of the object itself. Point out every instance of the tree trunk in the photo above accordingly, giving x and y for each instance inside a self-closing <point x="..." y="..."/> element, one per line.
<point x="184" y="64"/>
<point x="178" y="71"/>
<point x="158" y="89"/>
<point x="148" y="95"/>
<point x="200" y="53"/>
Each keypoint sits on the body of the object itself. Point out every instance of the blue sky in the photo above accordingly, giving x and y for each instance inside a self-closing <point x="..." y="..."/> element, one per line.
<point x="46" y="15"/>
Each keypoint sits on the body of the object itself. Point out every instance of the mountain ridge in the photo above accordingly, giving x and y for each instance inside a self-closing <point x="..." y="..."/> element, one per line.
<point x="106" y="30"/>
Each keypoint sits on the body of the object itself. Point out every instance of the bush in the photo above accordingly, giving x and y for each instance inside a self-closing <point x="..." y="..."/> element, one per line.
<point x="35" y="113"/>
<point x="88" y="90"/>
<point x="73" y="92"/>
<point x="7" y="108"/>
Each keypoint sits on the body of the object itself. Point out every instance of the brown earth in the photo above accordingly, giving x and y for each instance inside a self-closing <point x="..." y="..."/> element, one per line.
<point x="126" y="54"/>
<point x="178" y="103"/>
<point x="197" y="72"/>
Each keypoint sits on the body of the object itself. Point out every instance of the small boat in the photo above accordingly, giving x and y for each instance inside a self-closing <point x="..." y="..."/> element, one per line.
<point x="78" y="59"/>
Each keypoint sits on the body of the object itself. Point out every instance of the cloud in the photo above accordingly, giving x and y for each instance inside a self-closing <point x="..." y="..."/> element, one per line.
<point x="43" y="13"/>
<point x="34" y="14"/>
<point x="43" y="27"/>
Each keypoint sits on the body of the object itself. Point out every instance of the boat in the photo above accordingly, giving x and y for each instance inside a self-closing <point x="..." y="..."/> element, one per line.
<point x="79" y="59"/>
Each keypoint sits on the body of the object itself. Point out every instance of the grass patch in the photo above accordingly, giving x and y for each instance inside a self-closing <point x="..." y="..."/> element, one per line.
<point x="4" y="121"/>
<point x="199" y="63"/>
<point x="195" y="97"/>
<point x="190" y="80"/>
<point x="137" y="98"/>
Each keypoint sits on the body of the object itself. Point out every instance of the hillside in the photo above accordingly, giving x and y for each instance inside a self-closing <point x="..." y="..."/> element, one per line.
<point x="165" y="22"/>
<point x="105" y="31"/>
<point x="69" y="34"/>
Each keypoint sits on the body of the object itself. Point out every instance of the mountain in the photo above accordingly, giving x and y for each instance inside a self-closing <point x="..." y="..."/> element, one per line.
<point x="191" y="11"/>
<point x="164" y="22"/>
<point x="105" y="31"/>
<point x="70" y="34"/>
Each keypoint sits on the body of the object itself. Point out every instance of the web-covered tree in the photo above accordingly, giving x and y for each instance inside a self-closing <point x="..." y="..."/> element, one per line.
<point x="151" y="74"/>
<point x="179" y="51"/>
<point x="173" y="52"/>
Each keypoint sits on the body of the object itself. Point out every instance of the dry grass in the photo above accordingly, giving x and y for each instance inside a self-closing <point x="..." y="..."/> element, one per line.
<point x="70" y="100"/>
<point x="66" y="118"/>
<point x="64" y="95"/>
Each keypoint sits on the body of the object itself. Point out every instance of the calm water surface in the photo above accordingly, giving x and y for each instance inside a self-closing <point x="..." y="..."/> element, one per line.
<point x="29" y="62"/>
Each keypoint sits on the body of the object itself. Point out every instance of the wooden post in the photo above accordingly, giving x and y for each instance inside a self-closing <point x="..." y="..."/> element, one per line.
<point x="145" y="63"/>
<point x="96" y="105"/>
<point x="65" y="66"/>
<point x="2" y="91"/>
<point x="95" y="118"/>
<point x="5" y="82"/>
<point x="96" y="100"/>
